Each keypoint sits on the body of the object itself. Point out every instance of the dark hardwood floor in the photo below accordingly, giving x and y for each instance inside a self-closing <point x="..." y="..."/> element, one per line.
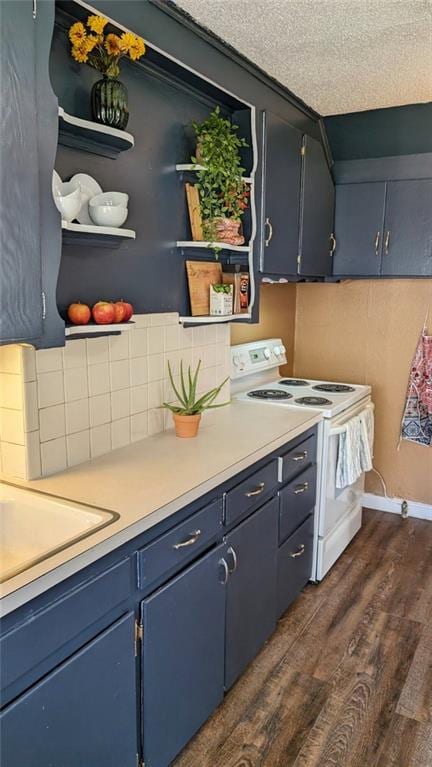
<point x="346" y="680"/>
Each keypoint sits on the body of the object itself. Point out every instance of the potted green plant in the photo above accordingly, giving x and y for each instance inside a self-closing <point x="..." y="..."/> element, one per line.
<point x="187" y="413"/>
<point x="224" y="196"/>
<point x="90" y="44"/>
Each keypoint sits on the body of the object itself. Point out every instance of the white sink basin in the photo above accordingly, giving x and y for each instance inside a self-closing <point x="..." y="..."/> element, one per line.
<point x="34" y="526"/>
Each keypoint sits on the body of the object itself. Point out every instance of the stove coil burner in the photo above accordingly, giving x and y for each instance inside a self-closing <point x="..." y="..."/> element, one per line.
<point x="294" y="382"/>
<point x="313" y="401"/>
<point x="333" y="388"/>
<point x="272" y="394"/>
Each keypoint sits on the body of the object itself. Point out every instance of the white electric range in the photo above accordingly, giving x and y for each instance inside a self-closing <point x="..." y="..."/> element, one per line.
<point x="255" y="378"/>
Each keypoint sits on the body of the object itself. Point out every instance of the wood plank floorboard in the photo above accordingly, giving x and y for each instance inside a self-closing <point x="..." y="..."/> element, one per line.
<point x="346" y="679"/>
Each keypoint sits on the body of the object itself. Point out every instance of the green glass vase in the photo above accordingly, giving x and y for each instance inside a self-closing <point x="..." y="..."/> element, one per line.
<point x="109" y="102"/>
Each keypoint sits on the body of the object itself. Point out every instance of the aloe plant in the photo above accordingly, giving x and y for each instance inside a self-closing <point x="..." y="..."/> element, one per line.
<point x="187" y="396"/>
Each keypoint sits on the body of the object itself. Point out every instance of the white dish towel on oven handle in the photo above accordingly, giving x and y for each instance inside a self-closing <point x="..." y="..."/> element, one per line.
<point x="355" y="453"/>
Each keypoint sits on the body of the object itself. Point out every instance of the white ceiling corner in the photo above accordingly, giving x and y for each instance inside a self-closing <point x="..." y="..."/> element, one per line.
<point x="336" y="55"/>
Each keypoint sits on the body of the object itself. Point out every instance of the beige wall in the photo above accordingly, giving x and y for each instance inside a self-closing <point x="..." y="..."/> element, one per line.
<point x="277" y="320"/>
<point x="366" y="332"/>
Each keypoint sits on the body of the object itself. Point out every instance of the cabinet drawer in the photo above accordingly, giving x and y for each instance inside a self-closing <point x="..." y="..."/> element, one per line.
<point x="168" y="554"/>
<point x="248" y="494"/>
<point x="33" y="648"/>
<point x="294" y="564"/>
<point x="295" y="460"/>
<point x="297" y="501"/>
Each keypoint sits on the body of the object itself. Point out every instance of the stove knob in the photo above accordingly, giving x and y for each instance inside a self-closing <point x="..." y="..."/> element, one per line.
<point x="267" y="354"/>
<point x="277" y="350"/>
<point x="236" y="360"/>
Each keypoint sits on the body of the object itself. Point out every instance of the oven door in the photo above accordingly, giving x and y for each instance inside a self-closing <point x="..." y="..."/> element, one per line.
<point x="338" y="502"/>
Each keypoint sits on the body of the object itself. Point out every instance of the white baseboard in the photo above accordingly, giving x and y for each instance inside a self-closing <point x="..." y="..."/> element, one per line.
<point x="393" y="505"/>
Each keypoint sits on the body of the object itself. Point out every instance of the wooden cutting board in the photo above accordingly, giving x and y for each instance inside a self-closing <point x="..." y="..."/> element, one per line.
<point x="202" y="274"/>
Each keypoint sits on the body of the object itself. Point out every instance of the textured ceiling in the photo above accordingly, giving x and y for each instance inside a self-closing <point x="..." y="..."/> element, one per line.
<point x="337" y="55"/>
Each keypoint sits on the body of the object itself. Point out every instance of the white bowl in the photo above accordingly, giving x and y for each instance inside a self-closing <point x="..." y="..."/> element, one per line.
<point x="68" y="200"/>
<point x="112" y="199"/>
<point x="108" y="215"/>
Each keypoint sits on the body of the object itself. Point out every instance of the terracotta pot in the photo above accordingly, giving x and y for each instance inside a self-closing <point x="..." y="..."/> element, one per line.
<point x="186" y="425"/>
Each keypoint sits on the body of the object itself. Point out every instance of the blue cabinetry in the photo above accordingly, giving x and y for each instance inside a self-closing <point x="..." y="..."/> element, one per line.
<point x="317" y="212"/>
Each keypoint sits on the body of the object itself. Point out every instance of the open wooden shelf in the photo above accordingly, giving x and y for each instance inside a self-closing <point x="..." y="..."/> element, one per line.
<point x="92" y="330"/>
<point x="91" y="136"/>
<point x="98" y="236"/>
<point x="187" y="167"/>
<point x="211" y="245"/>
<point x="212" y="320"/>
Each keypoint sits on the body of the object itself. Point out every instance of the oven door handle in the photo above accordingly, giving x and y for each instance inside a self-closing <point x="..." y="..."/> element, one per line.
<point x="341" y="429"/>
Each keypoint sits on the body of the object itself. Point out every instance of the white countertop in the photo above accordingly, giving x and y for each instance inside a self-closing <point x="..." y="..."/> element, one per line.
<point x="152" y="479"/>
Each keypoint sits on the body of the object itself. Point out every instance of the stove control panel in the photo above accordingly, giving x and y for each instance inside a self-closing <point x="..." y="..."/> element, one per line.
<point x="257" y="356"/>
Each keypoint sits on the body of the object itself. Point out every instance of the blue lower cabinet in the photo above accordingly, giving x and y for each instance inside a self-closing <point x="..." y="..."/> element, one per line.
<point x="251" y="588"/>
<point x="182" y="657"/>
<point x="83" y="713"/>
<point x="294" y="564"/>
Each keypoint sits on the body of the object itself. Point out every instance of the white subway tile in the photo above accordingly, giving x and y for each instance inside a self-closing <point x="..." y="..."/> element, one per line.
<point x="14" y="460"/>
<point x="139" y="426"/>
<point x="156" y="394"/>
<point x="155" y="421"/>
<point x="156" y="368"/>
<point x="97" y="350"/>
<point x="76" y="384"/>
<point x="120" y="404"/>
<point x="50" y="388"/>
<point x="48" y="360"/>
<point x="78" y="447"/>
<point x="52" y="422"/>
<point x="185" y="338"/>
<point x="100" y="409"/>
<point x="119" y="375"/>
<point x="53" y="456"/>
<point x="11" y="391"/>
<point x="12" y="426"/>
<point x="139" y="398"/>
<point x="137" y="342"/>
<point x="75" y="353"/>
<point x="100" y="440"/>
<point x="28" y="360"/>
<point x="77" y="415"/>
<point x="138" y="371"/>
<point x="118" y="347"/>
<point x="99" y="378"/>
<point x="31" y="408"/>
<point x="120" y="433"/>
<point x="33" y="455"/>
<point x="10" y="359"/>
<point x="156" y="340"/>
<point x="141" y="320"/>
<point x="164" y="318"/>
<point x="172" y="338"/>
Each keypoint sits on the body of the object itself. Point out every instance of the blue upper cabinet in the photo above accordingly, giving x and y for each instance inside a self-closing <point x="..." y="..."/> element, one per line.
<point x="407" y="244"/>
<point x="359" y="228"/>
<point x="20" y="265"/>
<point x="317" y="212"/>
<point x="281" y="196"/>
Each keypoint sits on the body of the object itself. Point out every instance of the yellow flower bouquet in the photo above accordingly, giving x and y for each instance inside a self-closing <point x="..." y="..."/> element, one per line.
<point x="103" y="51"/>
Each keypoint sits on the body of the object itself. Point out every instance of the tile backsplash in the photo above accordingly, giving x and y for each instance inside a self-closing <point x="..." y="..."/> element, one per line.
<point x="61" y="407"/>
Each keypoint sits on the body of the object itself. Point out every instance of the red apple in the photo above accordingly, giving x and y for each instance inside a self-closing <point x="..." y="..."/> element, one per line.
<point x="103" y="313"/>
<point x="129" y="310"/>
<point x="119" y="311"/>
<point x="78" y="314"/>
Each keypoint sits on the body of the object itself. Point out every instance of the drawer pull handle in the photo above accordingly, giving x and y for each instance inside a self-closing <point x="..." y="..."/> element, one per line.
<point x="300" y="456"/>
<point x="190" y="541"/>
<point x="256" y="491"/>
<point x="295" y="554"/>
<point x="225" y="567"/>
<point x="301" y="488"/>
<point x="231" y="551"/>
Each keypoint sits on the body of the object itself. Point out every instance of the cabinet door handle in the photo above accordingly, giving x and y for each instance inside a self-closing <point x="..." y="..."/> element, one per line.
<point x="387" y="243"/>
<point x="256" y="491"/>
<point x="295" y="554"/>
<point x="190" y="541"/>
<point x="333" y="244"/>
<point x="300" y="456"/>
<point x="232" y="552"/>
<point x="301" y="488"/>
<point x="270" y="232"/>
<point x="225" y="569"/>
<point x="377" y="242"/>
